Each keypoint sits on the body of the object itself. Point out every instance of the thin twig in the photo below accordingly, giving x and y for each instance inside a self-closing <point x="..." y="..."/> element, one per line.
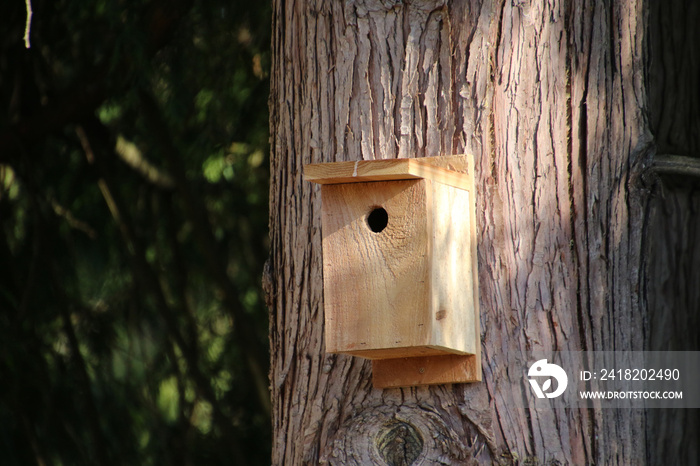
<point x="73" y="222"/>
<point x="28" y="24"/>
<point x="132" y="156"/>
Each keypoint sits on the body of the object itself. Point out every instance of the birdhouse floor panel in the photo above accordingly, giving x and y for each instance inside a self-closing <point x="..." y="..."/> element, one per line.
<point x="429" y="370"/>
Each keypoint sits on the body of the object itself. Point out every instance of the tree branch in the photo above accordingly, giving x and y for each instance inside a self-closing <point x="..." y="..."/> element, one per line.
<point x="667" y="164"/>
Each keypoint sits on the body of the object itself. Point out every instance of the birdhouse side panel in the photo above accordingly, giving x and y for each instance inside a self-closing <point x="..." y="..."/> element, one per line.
<point x="452" y="290"/>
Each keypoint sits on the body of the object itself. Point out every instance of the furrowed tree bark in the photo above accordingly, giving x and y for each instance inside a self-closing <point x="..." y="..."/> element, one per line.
<point x="552" y="100"/>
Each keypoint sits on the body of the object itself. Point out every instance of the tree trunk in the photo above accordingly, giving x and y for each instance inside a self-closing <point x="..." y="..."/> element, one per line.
<point x="551" y="99"/>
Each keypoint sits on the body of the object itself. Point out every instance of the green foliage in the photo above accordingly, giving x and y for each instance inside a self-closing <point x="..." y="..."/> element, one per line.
<point x="133" y="220"/>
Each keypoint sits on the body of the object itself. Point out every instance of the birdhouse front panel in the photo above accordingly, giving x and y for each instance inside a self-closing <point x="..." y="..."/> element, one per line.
<point x="376" y="271"/>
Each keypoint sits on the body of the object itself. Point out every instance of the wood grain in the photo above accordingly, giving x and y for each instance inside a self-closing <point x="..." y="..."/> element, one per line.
<point x="407" y="290"/>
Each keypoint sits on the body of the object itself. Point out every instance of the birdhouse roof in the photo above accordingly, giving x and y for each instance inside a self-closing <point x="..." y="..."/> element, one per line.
<point x="454" y="170"/>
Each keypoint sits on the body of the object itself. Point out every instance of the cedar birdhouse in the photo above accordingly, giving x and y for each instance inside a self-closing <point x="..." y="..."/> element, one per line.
<point x="400" y="268"/>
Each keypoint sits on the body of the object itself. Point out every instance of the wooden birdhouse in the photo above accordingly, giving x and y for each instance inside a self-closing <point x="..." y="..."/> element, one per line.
<point x="400" y="267"/>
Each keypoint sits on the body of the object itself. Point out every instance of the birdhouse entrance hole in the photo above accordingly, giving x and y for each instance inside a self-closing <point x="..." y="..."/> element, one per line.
<point x="378" y="219"/>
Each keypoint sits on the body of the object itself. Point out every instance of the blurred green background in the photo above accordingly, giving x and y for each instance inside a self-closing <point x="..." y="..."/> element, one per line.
<point x="133" y="232"/>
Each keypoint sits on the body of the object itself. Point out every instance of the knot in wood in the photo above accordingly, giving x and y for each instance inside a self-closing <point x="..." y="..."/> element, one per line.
<point x="399" y="444"/>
